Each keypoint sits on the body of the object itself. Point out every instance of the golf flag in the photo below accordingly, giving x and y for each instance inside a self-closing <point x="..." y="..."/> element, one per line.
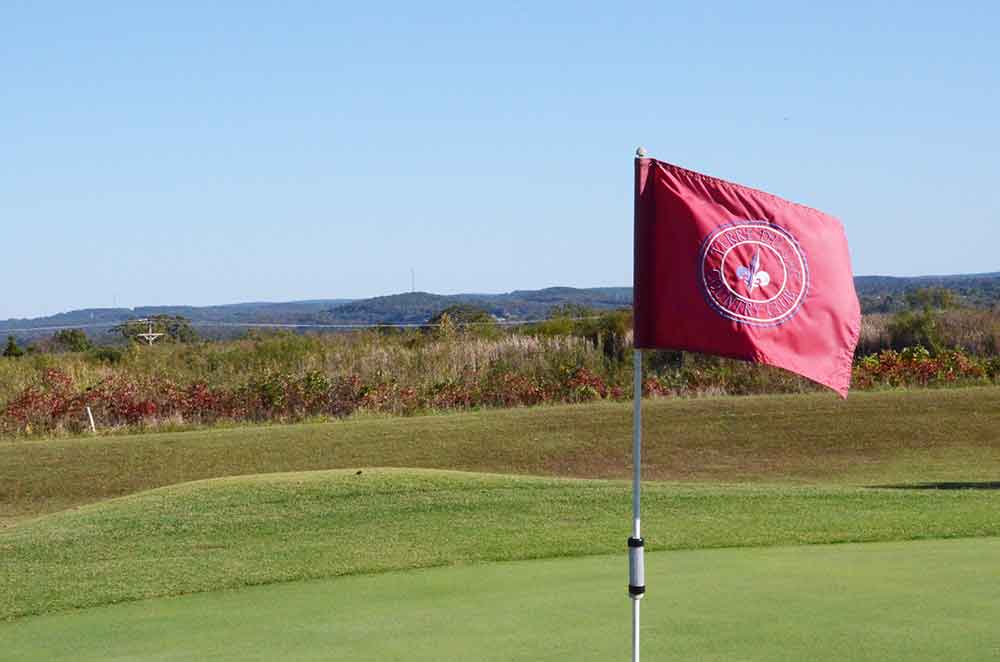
<point x="728" y="270"/>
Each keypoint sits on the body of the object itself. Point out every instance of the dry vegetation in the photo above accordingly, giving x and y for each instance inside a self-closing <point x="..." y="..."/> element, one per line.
<point x="285" y="377"/>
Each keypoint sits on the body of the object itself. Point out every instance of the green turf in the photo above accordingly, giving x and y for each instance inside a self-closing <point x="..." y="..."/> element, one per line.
<point x="235" y="532"/>
<point x="872" y="438"/>
<point x="916" y="601"/>
<point x="744" y="472"/>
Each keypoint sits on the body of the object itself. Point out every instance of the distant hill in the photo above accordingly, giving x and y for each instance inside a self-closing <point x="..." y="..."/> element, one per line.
<point x="408" y="308"/>
<point x="887" y="293"/>
<point x="418" y="307"/>
<point x="877" y="293"/>
<point x="97" y="320"/>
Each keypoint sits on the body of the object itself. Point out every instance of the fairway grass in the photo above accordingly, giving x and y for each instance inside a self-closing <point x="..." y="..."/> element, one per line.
<point x="877" y="438"/>
<point x="235" y="532"/>
<point x="918" y="601"/>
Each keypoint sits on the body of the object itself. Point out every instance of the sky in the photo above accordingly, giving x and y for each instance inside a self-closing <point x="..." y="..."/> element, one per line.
<point x="206" y="153"/>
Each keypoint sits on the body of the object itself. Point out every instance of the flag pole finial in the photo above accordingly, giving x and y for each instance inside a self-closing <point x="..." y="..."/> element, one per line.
<point x="640" y="152"/>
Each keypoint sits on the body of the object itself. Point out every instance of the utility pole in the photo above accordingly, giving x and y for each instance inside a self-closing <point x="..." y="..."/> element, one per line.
<point x="150" y="337"/>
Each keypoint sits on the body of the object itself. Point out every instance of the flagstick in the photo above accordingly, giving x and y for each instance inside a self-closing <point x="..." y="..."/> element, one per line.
<point x="636" y="565"/>
<point x="636" y="562"/>
<point x="635" y="630"/>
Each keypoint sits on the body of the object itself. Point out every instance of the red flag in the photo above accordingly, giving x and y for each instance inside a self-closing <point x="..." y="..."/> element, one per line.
<point x="728" y="270"/>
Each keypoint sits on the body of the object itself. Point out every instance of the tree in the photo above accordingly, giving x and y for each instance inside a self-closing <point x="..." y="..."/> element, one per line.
<point x="12" y="350"/>
<point x="926" y="298"/>
<point x="72" y="340"/>
<point x="463" y="314"/>
<point x="572" y="311"/>
<point x="465" y="318"/>
<point x="918" y="326"/>
<point x="610" y="333"/>
<point x="910" y="329"/>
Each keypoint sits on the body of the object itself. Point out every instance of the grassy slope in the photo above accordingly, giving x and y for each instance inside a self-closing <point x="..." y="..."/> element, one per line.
<point x="234" y="532"/>
<point x="926" y="601"/>
<point x="873" y="438"/>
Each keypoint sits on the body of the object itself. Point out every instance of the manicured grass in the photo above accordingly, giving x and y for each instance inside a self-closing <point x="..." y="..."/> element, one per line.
<point x="916" y="601"/>
<point x="235" y="532"/>
<point x="873" y="438"/>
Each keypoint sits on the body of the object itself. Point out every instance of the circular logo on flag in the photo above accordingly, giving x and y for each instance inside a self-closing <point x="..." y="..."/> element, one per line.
<point x="753" y="272"/>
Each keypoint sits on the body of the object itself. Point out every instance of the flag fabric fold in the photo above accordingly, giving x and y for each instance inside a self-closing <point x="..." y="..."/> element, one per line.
<point x="728" y="270"/>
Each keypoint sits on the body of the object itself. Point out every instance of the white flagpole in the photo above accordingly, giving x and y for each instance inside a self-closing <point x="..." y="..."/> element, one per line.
<point x="636" y="561"/>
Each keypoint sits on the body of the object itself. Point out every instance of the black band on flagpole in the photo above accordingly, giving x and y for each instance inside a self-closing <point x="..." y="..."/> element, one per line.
<point x="636" y="568"/>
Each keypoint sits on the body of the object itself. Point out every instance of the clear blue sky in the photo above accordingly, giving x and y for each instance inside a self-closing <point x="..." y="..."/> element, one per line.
<point x="273" y="151"/>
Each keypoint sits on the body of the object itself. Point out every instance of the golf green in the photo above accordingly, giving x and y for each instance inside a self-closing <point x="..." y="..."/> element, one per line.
<point x="920" y="600"/>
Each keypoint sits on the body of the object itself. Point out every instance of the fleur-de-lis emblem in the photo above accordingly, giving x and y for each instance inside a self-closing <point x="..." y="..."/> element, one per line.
<point x="752" y="275"/>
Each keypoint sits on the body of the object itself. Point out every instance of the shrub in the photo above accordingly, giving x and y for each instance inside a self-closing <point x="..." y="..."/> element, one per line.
<point x="465" y="318"/>
<point x="289" y="377"/>
<point x="106" y="354"/>
<point x="12" y="350"/>
<point x="915" y="366"/>
<point x="71" y="340"/>
<point x="909" y="329"/>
